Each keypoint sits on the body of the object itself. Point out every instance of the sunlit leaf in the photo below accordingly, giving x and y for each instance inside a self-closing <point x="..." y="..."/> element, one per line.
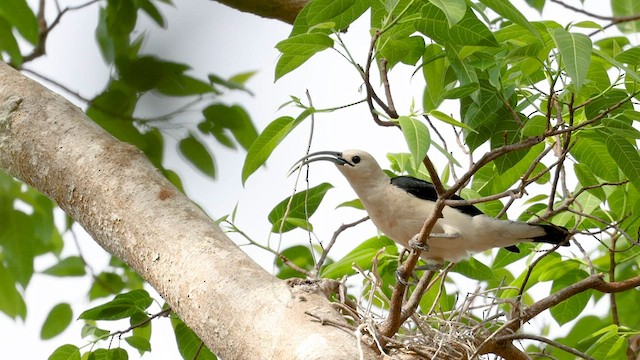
<point x="416" y="134"/>
<point x="362" y="255"/>
<point x="297" y="49"/>
<point x="66" y="352"/>
<point x="267" y="141"/>
<point x="575" y="49"/>
<point x="454" y="10"/>
<point x="302" y="205"/>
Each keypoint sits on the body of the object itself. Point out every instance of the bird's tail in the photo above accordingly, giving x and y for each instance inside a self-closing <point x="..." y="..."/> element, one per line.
<point x="553" y="234"/>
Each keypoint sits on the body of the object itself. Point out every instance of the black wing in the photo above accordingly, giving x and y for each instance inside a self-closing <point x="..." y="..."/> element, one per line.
<point x="426" y="191"/>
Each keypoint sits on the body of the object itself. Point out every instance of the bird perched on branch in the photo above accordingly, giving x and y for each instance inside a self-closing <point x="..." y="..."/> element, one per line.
<point x="399" y="207"/>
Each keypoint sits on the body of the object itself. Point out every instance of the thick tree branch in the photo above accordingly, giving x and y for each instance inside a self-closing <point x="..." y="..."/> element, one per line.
<point x="239" y="310"/>
<point x="284" y="10"/>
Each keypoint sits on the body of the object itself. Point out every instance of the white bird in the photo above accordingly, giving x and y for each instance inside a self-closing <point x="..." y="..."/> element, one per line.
<point x="399" y="207"/>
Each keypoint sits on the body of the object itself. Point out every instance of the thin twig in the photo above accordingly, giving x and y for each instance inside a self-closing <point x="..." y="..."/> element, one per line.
<point x="337" y="233"/>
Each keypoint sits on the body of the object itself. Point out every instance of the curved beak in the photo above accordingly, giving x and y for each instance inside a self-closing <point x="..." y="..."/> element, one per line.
<point x="333" y="156"/>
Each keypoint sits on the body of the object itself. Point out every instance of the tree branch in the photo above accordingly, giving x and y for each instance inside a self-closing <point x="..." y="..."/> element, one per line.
<point x="283" y="10"/>
<point x="133" y="212"/>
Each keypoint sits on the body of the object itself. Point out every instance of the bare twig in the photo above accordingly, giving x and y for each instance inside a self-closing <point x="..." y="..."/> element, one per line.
<point x="337" y="233"/>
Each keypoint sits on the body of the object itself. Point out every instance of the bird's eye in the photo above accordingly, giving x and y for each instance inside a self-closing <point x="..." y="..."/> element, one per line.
<point x="355" y="159"/>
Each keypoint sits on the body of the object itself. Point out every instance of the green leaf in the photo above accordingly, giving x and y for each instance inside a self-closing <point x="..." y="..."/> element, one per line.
<point x="572" y="307"/>
<point x="506" y="257"/>
<point x="109" y="354"/>
<point x="92" y="331"/>
<point x="460" y="91"/>
<point x="507" y="10"/>
<point x="189" y="344"/>
<point x="122" y="306"/>
<point x="66" y="352"/>
<point x="106" y="284"/>
<point x="8" y="42"/>
<point x="18" y="243"/>
<point x="235" y="119"/>
<point x="449" y="120"/>
<point x="297" y="49"/>
<point x="57" y="321"/>
<point x="474" y="269"/>
<point x="315" y="14"/>
<point x="19" y="15"/>
<point x="267" y="141"/>
<point x="121" y="17"/>
<point x="301" y="206"/>
<point x="631" y="56"/>
<point x="151" y="10"/>
<point x="141" y="344"/>
<point x="407" y="50"/>
<point x="590" y="149"/>
<point x="630" y="72"/>
<point x="11" y="301"/>
<point x="321" y="11"/>
<point x="416" y="134"/>
<point x="586" y="178"/>
<point x="625" y="8"/>
<point x="575" y="50"/>
<point x="627" y="157"/>
<point x="71" y="266"/>
<point x="299" y="255"/>
<point x="454" y="10"/>
<point x="182" y="85"/>
<point x="468" y="31"/>
<point x="355" y="203"/>
<point x="608" y="344"/>
<point x="434" y="70"/>
<point x="536" y="4"/>
<point x="198" y="154"/>
<point x="362" y="256"/>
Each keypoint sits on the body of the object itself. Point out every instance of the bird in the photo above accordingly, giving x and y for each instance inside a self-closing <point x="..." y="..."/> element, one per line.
<point x="399" y="207"/>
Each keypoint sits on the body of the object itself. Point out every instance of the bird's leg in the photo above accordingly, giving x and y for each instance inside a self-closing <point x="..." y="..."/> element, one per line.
<point x="400" y="277"/>
<point x="431" y="266"/>
<point x="414" y="243"/>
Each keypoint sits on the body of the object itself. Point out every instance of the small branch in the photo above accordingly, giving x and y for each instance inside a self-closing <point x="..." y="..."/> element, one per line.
<point x="594" y="282"/>
<point x="367" y="83"/>
<point x="387" y="89"/>
<point x="337" y="233"/>
<point x="414" y="300"/>
<point x="163" y="313"/>
<point x="570" y="350"/>
<point x="613" y="19"/>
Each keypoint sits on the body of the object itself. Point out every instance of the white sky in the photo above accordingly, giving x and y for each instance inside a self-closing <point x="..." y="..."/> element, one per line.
<point x="215" y="39"/>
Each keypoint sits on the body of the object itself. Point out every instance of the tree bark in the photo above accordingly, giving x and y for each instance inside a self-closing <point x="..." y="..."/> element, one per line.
<point x="110" y="188"/>
<point x="284" y="10"/>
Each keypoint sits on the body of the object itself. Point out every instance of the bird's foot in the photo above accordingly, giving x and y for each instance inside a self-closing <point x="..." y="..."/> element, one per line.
<point x="400" y="275"/>
<point x="415" y="244"/>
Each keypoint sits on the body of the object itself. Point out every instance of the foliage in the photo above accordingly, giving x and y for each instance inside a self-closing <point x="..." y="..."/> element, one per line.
<point x="28" y="231"/>
<point x="536" y="102"/>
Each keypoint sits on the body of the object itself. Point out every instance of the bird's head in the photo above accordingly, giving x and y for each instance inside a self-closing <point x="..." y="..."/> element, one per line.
<point x="355" y="165"/>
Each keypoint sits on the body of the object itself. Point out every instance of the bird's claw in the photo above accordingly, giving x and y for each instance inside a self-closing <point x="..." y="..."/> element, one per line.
<point x="415" y="244"/>
<point x="400" y="274"/>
